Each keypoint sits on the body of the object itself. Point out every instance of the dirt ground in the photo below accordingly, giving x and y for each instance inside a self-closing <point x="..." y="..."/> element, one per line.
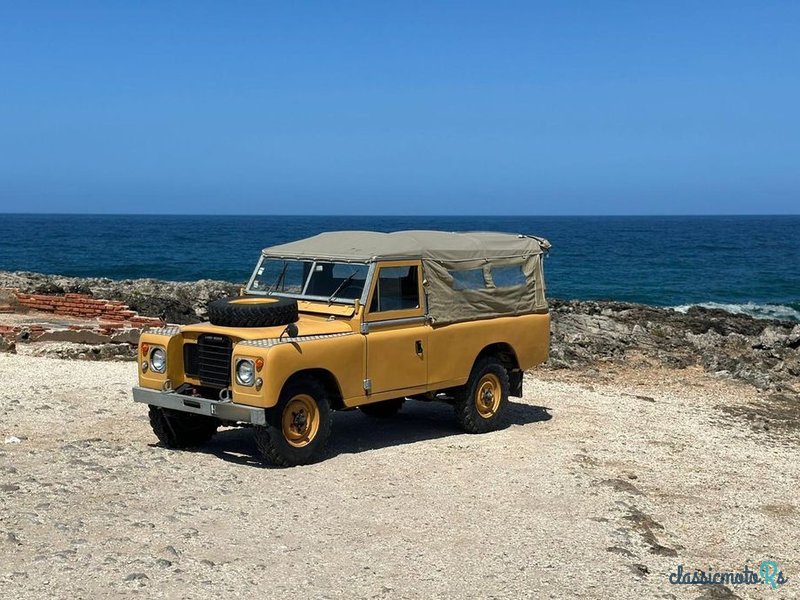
<point x="603" y="484"/>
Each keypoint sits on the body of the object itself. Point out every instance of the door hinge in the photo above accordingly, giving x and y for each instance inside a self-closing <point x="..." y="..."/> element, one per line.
<point x="368" y="385"/>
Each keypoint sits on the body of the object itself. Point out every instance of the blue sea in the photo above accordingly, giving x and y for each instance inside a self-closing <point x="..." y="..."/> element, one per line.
<point x="747" y="264"/>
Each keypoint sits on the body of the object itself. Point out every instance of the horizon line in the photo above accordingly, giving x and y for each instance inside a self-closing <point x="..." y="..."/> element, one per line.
<point x="412" y="216"/>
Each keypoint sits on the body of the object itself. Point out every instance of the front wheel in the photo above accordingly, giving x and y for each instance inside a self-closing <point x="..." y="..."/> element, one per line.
<point x="298" y="428"/>
<point x="177" y="429"/>
<point x="482" y="404"/>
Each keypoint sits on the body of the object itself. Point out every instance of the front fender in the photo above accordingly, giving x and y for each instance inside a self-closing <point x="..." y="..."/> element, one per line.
<point x="342" y="355"/>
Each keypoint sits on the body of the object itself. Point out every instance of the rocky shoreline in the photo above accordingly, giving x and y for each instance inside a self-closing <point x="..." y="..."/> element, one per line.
<point x="761" y="352"/>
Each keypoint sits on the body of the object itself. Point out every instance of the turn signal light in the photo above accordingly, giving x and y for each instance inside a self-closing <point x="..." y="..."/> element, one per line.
<point x="145" y="348"/>
<point x="259" y="364"/>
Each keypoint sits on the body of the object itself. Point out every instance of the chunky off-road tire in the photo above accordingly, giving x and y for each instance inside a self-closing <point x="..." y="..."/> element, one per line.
<point x="298" y="427"/>
<point x="252" y="311"/>
<point x="482" y="404"/>
<point x="383" y="410"/>
<point x="177" y="429"/>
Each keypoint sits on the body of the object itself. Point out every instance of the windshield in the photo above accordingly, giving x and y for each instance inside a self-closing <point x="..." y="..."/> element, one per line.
<point x="310" y="279"/>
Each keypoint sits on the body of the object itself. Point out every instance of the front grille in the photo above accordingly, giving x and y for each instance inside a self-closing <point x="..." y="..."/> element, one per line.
<point x="214" y="360"/>
<point x="190" y="359"/>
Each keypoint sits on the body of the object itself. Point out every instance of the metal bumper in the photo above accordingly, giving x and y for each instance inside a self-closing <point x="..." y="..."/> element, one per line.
<point x="226" y="411"/>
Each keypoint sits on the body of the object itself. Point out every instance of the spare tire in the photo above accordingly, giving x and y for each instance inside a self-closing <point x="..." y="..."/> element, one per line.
<point x="252" y="311"/>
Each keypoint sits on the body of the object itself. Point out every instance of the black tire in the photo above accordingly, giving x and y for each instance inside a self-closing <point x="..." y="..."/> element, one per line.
<point x="382" y="410"/>
<point x="177" y="429"/>
<point x="478" y="410"/>
<point x="252" y="311"/>
<point x="275" y="447"/>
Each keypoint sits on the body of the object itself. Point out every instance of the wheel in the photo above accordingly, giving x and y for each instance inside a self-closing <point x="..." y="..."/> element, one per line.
<point x="298" y="428"/>
<point x="177" y="429"/>
<point x="482" y="404"/>
<point x="382" y="410"/>
<point x="252" y="311"/>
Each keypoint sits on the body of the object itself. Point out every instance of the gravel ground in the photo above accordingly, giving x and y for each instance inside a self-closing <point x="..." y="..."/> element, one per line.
<point x="605" y="481"/>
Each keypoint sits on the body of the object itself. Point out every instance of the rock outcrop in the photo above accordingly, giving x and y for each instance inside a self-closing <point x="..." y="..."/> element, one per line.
<point x="764" y="353"/>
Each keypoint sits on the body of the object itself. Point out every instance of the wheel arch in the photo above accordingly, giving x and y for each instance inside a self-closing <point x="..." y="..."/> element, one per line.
<point x="324" y="377"/>
<point x="507" y="356"/>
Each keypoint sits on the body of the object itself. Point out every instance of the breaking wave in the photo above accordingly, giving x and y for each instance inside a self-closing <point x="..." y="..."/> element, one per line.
<point x="758" y="311"/>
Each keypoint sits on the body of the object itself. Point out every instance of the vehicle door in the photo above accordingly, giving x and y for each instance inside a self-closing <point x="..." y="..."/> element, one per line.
<point x="396" y="329"/>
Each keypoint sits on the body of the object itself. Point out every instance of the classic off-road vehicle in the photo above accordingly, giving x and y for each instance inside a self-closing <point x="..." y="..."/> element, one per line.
<point x="353" y="319"/>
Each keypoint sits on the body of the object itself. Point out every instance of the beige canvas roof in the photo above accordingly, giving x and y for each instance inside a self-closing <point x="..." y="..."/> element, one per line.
<point x="491" y="256"/>
<point x="367" y="246"/>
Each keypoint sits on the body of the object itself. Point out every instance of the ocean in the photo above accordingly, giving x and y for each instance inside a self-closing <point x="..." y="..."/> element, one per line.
<point x="748" y="264"/>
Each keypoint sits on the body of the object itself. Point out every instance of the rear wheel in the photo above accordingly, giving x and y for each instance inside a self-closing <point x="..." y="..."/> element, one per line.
<point x="298" y="428"/>
<point x="482" y="404"/>
<point x="177" y="429"/>
<point x="382" y="410"/>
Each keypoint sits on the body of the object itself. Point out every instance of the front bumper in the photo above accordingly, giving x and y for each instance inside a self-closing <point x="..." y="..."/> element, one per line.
<point x="225" y="411"/>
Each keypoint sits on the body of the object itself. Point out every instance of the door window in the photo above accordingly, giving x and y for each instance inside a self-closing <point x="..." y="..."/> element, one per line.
<point x="397" y="288"/>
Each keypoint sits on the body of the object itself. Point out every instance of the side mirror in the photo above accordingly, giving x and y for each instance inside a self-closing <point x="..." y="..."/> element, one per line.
<point x="291" y="330"/>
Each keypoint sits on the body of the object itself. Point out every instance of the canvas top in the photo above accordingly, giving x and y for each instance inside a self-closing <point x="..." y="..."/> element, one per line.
<point x="368" y="246"/>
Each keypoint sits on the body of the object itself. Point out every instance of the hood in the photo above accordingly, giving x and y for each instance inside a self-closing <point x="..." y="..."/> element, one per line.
<point x="306" y="325"/>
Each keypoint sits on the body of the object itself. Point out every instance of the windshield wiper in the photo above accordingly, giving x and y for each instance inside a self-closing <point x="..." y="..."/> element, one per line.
<point x="279" y="278"/>
<point x="345" y="281"/>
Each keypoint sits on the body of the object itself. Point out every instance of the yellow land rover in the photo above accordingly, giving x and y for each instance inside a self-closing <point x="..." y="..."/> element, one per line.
<point x="353" y="319"/>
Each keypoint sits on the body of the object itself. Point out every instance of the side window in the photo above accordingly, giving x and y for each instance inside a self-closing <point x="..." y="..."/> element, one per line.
<point x="397" y="288"/>
<point x="506" y="277"/>
<point x="471" y="279"/>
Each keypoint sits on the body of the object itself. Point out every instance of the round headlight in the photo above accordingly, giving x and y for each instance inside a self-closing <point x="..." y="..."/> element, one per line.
<point x="245" y="372"/>
<point x="158" y="360"/>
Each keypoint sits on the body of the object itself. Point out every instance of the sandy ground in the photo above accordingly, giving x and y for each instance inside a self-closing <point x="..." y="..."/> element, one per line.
<point x="603" y="484"/>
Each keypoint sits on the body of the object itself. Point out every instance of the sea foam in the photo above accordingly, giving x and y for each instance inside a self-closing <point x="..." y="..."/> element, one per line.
<point x="759" y="311"/>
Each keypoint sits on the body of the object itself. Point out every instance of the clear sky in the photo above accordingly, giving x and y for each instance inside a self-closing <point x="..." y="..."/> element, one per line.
<point x="492" y="107"/>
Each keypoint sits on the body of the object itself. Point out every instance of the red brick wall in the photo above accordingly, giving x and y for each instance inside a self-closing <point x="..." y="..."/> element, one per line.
<point x="110" y="312"/>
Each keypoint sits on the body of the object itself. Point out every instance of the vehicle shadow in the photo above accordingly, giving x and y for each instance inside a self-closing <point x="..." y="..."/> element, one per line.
<point x="354" y="432"/>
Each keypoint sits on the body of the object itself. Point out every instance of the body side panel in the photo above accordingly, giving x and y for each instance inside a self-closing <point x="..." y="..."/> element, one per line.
<point x="453" y="348"/>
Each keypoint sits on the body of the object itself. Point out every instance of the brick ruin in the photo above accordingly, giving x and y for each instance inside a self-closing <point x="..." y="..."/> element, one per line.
<point x="111" y="314"/>
<point x="96" y="320"/>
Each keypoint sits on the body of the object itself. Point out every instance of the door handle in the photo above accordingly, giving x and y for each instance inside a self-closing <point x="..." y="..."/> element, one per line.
<point x="418" y="346"/>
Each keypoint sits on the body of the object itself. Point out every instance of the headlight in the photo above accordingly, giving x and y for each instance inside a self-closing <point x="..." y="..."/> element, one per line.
<point x="245" y="372"/>
<point x="158" y="360"/>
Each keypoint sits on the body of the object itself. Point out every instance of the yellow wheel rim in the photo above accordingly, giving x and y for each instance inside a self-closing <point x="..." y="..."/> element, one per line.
<point x="253" y="301"/>
<point x="488" y="395"/>
<point x="300" y="421"/>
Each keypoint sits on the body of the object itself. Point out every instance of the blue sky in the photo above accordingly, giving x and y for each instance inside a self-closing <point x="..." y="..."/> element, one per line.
<point x="400" y="108"/>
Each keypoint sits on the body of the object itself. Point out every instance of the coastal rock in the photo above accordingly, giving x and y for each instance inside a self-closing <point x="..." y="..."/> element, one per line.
<point x="8" y="301"/>
<point x="760" y="352"/>
<point x="771" y="338"/>
<point x="75" y="351"/>
<point x="7" y="345"/>
<point x="76" y="336"/>
<point x="127" y="336"/>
